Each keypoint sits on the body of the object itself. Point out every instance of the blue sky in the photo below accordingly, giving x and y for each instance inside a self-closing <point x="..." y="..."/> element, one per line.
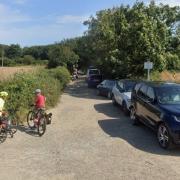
<point x="39" y="22"/>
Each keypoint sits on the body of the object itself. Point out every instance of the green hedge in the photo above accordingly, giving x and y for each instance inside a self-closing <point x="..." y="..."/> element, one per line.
<point x="22" y="86"/>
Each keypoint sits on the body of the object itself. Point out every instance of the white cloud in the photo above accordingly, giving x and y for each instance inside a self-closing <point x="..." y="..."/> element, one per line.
<point x="71" y="19"/>
<point x="8" y="15"/>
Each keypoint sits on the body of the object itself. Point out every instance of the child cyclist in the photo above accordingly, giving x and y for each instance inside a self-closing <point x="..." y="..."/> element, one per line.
<point x="3" y="96"/>
<point x="39" y="103"/>
<point x="39" y="100"/>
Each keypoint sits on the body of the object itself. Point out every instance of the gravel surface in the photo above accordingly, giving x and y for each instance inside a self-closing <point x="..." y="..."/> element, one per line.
<point x="88" y="139"/>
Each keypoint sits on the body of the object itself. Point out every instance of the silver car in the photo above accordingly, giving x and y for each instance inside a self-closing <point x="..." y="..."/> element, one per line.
<point x="121" y="94"/>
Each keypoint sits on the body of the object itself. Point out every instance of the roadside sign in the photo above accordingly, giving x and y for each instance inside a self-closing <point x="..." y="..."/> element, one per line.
<point x="148" y="65"/>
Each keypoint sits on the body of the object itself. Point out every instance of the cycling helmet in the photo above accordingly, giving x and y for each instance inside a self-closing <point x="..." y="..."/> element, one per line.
<point x="37" y="91"/>
<point x="3" y="94"/>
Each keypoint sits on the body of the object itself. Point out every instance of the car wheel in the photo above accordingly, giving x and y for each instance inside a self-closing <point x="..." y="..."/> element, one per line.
<point x="124" y="107"/>
<point x="133" y="116"/>
<point x="164" y="138"/>
<point x="109" y="95"/>
<point x="114" y="101"/>
<point x="98" y="92"/>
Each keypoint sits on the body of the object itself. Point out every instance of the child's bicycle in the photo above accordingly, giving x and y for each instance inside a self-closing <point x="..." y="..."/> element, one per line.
<point x="38" y="119"/>
<point x="8" y="124"/>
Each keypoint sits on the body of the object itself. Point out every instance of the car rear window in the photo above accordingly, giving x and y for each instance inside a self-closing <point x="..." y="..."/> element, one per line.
<point x="110" y="83"/>
<point x="93" y="71"/>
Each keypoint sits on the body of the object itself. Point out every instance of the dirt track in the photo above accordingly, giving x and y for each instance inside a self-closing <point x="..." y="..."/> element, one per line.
<point x="89" y="139"/>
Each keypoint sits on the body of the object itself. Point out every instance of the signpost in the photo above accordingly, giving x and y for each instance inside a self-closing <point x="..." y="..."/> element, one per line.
<point x="148" y="65"/>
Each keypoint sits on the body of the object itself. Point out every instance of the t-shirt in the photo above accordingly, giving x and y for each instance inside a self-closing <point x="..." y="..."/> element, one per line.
<point x="2" y="102"/>
<point x="40" y="101"/>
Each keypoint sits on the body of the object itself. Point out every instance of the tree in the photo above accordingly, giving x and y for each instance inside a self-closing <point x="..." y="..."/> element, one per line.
<point x="61" y="55"/>
<point x="13" y="51"/>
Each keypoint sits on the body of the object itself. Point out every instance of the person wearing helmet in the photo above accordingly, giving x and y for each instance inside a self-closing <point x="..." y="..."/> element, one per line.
<point x="3" y="96"/>
<point x="39" y="99"/>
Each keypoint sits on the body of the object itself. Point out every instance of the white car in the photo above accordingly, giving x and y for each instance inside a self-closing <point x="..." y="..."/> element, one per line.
<point x="121" y="94"/>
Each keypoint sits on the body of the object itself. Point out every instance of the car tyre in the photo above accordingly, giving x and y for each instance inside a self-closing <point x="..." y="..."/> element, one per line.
<point x="114" y="101"/>
<point x="164" y="137"/>
<point x="98" y="92"/>
<point x="133" y="116"/>
<point x="109" y="95"/>
<point x="124" y="108"/>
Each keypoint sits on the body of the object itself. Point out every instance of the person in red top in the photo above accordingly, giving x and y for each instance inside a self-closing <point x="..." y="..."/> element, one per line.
<point x="39" y="104"/>
<point x="39" y="99"/>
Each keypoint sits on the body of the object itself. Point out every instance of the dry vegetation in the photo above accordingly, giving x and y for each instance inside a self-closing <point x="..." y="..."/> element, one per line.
<point x="8" y="72"/>
<point x="168" y="76"/>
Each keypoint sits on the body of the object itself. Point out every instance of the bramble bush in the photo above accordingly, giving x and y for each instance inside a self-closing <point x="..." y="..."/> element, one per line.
<point x="21" y="88"/>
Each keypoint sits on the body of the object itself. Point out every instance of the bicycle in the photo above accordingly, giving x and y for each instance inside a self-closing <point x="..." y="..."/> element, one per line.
<point x="38" y="118"/>
<point x="9" y="123"/>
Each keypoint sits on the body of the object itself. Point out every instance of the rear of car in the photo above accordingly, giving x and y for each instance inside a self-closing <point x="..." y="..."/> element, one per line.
<point x="105" y="88"/>
<point x="93" y="77"/>
<point x="94" y="80"/>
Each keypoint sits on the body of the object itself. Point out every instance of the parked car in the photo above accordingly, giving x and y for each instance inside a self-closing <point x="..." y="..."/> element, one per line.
<point x="105" y="88"/>
<point x="157" y="105"/>
<point x="121" y="93"/>
<point x="93" y="77"/>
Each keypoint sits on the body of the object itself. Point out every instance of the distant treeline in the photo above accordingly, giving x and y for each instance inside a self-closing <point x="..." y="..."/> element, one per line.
<point x="118" y="41"/>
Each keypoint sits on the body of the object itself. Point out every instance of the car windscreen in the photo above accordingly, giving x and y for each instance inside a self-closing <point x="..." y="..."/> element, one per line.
<point x="128" y="86"/>
<point x="168" y="95"/>
<point x="94" y="71"/>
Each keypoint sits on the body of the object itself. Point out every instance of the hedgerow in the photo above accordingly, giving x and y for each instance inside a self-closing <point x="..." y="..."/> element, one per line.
<point x="21" y="88"/>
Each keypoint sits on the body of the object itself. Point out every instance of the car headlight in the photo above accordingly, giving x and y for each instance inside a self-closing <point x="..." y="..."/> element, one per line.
<point x="177" y="118"/>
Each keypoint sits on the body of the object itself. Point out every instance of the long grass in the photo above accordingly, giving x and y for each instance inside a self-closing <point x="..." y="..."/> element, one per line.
<point x="7" y="73"/>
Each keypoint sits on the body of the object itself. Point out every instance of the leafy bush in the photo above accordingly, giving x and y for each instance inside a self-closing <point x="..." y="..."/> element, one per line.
<point x="21" y="88"/>
<point x="173" y="62"/>
<point x="62" y="74"/>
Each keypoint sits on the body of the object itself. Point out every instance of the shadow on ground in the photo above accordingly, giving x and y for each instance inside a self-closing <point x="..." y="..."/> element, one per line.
<point x="80" y="89"/>
<point x="27" y="130"/>
<point x="120" y="126"/>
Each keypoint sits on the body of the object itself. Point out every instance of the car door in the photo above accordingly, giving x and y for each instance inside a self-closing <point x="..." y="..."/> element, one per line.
<point x="140" y="101"/>
<point x="153" y="113"/>
<point x="119" y="95"/>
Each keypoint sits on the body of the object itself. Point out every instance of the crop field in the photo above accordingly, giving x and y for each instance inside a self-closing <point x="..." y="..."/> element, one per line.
<point x="8" y="72"/>
<point x="168" y="76"/>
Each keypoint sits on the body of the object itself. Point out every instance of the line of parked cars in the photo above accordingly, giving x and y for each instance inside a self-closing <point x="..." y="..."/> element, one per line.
<point x="155" y="104"/>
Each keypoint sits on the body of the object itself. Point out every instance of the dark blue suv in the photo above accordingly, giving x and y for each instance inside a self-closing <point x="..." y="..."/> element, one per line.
<point x="157" y="105"/>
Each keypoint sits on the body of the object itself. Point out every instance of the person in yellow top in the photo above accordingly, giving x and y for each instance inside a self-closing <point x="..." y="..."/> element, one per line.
<point x="3" y="96"/>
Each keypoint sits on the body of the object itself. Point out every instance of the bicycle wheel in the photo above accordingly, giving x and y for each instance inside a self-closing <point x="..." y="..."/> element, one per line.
<point x="30" y="119"/>
<point x="3" y="135"/>
<point x="14" y="125"/>
<point x="42" y="126"/>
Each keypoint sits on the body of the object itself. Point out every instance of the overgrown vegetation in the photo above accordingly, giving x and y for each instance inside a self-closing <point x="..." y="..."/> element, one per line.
<point x="22" y="86"/>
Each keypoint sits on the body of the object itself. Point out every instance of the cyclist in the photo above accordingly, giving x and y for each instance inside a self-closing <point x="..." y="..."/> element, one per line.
<point x="39" y="104"/>
<point x="39" y="100"/>
<point x="3" y="96"/>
